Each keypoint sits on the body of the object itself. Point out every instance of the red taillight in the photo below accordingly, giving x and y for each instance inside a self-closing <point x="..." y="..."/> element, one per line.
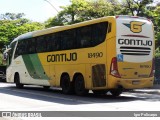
<point x="153" y="69"/>
<point x="117" y="17"/>
<point x="114" y="68"/>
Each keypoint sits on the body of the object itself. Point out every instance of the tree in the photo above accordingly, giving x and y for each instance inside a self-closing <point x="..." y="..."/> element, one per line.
<point x="96" y="9"/>
<point x="13" y="25"/>
<point x="11" y="16"/>
<point x="157" y="25"/>
<point x="55" y="21"/>
<point x="73" y="12"/>
<point x="81" y="10"/>
<point x="137" y="7"/>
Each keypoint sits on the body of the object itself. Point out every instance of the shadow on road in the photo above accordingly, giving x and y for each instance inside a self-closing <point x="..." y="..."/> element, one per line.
<point x="55" y="95"/>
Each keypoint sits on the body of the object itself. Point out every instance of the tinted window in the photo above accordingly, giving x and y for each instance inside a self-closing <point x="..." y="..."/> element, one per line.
<point x="31" y="46"/>
<point x="82" y="37"/>
<point x="26" y="47"/>
<point x="20" y="48"/>
<point x="12" y="46"/>
<point x="67" y="39"/>
<point x="41" y="44"/>
<point x="99" y="33"/>
<point x="91" y="35"/>
<point x="53" y="42"/>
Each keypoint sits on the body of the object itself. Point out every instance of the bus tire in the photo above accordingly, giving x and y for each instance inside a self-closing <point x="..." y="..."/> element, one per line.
<point x="79" y="86"/>
<point x="46" y="87"/>
<point x="17" y="81"/>
<point x="99" y="92"/>
<point x="67" y="86"/>
<point x="116" y="92"/>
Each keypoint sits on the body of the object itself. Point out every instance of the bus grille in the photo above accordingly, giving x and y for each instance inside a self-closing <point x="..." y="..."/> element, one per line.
<point x="99" y="75"/>
<point x="135" y="50"/>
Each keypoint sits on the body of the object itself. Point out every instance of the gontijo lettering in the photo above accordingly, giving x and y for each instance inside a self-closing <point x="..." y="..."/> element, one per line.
<point x="62" y="57"/>
<point x="134" y="42"/>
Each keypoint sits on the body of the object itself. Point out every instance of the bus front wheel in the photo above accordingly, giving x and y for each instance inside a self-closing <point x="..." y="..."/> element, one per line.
<point x="80" y="86"/>
<point x="17" y="81"/>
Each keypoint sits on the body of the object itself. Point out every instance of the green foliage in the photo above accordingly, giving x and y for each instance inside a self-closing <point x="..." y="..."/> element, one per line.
<point x="157" y="24"/>
<point x="11" y="16"/>
<point x="0" y="59"/>
<point x="82" y="10"/>
<point x="57" y="22"/>
<point x="136" y="7"/>
<point x="13" y="25"/>
<point x="157" y="52"/>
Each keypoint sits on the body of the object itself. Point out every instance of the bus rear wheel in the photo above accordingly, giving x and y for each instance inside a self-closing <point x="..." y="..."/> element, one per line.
<point x="116" y="92"/>
<point x="67" y="87"/>
<point x="80" y="86"/>
<point x="99" y="92"/>
<point x="46" y="87"/>
<point x="17" y="81"/>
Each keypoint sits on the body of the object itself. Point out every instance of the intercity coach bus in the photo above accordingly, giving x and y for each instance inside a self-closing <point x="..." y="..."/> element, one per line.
<point x="106" y="54"/>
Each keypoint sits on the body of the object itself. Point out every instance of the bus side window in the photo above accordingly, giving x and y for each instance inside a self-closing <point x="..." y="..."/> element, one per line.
<point x="12" y="46"/>
<point x="55" y="41"/>
<point x="20" y="48"/>
<point x="52" y="42"/>
<point x="17" y="51"/>
<point x="48" y="43"/>
<point x="32" y="46"/>
<point x="26" y="47"/>
<point x="23" y="47"/>
<point x="67" y="39"/>
<point x="41" y="44"/>
<point x="99" y="32"/>
<point x="84" y="37"/>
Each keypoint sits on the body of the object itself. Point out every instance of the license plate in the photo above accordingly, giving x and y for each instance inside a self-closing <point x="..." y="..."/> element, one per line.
<point x="135" y="82"/>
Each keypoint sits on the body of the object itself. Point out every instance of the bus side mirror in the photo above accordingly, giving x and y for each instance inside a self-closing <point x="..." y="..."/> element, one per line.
<point x="5" y="54"/>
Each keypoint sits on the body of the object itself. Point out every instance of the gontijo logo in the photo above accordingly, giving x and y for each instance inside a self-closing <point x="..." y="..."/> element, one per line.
<point x="135" y="26"/>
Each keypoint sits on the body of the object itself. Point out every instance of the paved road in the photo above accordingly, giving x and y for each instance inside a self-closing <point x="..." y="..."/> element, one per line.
<point x="35" y="98"/>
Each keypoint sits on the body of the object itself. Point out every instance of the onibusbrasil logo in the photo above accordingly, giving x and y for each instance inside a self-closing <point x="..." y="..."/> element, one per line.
<point x="135" y="26"/>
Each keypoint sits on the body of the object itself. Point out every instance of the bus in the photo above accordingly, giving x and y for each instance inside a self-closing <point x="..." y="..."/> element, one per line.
<point x="108" y="54"/>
